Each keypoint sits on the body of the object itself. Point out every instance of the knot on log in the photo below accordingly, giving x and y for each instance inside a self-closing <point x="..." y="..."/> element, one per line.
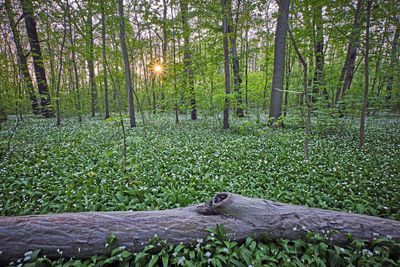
<point x="213" y="207"/>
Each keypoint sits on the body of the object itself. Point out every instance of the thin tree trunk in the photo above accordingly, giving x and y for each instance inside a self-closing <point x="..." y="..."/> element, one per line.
<point x="90" y="60"/>
<point x="347" y="73"/>
<point x="319" y="75"/>
<point x="30" y="24"/>
<point x="288" y="68"/>
<point x="84" y="234"/>
<point x="232" y="32"/>
<point x="308" y="101"/>
<point x="394" y="60"/>
<point x="226" y="63"/>
<point x="103" y="38"/>
<point x="60" y="62"/>
<point x="366" y="73"/>
<point x="187" y="57"/>
<point x="71" y="40"/>
<point x="275" y="107"/>
<point x="126" y="64"/>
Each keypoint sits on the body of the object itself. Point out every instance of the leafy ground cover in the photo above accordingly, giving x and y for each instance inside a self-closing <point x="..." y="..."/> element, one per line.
<point x="78" y="167"/>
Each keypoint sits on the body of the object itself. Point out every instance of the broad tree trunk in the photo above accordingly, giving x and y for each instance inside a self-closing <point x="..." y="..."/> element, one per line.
<point x="275" y="107"/>
<point x="30" y="24"/>
<point x="126" y="64"/>
<point x="85" y="234"/>
<point x="22" y="59"/>
<point x="226" y="63"/>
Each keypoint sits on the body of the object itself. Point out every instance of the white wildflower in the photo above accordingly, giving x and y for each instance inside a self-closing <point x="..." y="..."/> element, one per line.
<point x="174" y="254"/>
<point x="342" y="249"/>
<point x="209" y="260"/>
<point x="366" y="252"/>
<point x="389" y="237"/>
<point x="199" y="240"/>
<point x="59" y="251"/>
<point x="19" y="265"/>
<point x="226" y="250"/>
<point x="27" y="258"/>
<point x="28" y="253"/>
<point x="122" y="247"/>
<point x="181" y="260"/>
<point x="207" y="254"/>
<point x="294" y="228"/>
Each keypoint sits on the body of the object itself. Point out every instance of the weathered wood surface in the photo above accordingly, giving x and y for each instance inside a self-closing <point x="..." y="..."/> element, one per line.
<point x="85" y="234"/>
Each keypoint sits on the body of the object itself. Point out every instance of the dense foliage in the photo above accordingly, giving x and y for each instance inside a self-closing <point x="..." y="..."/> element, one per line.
<point x="78" y="167"/>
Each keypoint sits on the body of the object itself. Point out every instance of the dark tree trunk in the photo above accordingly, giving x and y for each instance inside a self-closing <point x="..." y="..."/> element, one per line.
<point x="82" y="235"/>
<point x="366" y="73"/>
<point x="187" y="56"/>
<point x="347" y="73"/>
<point x="237" y="82"/>
<point x="126" y="64"/>
<point x="22" y="59"/>
<point x="226" y="63"/>
<point x="30" y="24"/>
<point x="275" y="107"/>
<point x="103" y="39"/>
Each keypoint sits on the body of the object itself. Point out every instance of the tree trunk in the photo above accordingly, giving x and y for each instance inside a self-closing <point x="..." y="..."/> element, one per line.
<point x="22" y="59"/>
<point x="226" y="64"/>
<point x="275" y="107"/>
<point x="85" y="234"/>
<point x="60" y="62"/>
<point x="126" y="64"/>
<point x="72" y="43"/>
<point x="187" y="56"/>
<point x="394" y="60"/>
<point x="90" y="59"/>
<point x="366" y="76"/>
<point x="347" y="73"/>
<point x="103" y="38"/>
<point x="319" y="75"/>
<point x="30" y="24"/>
<point x="232" y="32"/>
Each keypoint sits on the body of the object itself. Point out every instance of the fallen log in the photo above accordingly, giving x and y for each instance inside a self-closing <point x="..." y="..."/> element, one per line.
<point x="85" y="234"/>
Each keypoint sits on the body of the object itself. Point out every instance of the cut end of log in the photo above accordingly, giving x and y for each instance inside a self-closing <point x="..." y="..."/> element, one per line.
<point x="213" y="207"/>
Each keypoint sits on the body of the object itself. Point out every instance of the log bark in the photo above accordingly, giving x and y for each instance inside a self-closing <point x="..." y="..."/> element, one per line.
<point x="82" y="235"/>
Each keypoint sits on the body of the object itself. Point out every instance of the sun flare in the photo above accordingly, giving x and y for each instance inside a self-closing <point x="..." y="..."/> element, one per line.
<point x="158" y="69"/>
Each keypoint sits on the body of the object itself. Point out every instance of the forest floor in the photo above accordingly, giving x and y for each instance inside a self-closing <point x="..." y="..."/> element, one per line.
<point x="79" y="167"/>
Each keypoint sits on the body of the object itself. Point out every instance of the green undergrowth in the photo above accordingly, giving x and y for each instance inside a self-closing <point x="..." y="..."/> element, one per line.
<point x="79" y="167"/>
<point x="217" y="250"/>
